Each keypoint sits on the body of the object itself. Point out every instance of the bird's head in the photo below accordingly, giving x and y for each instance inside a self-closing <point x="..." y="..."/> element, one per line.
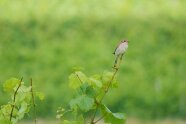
<point x="123" y="41"/>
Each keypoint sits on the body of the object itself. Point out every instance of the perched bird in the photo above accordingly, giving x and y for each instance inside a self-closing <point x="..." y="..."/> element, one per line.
<point x="120" y="50"/>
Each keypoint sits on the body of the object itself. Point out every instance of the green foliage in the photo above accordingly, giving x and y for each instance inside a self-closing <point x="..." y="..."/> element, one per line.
<point x="20" y="104"/>
<point x="89" y="98"/>
<point x="10" y="84"/>
<point x="75" y="80"/>
<point x="106" y="78"/>
<point x="45" y="38"/>
<point x="113" y="118"/>
<point x="84" y="103"/>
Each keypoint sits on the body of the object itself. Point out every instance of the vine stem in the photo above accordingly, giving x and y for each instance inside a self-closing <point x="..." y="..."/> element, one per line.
<point x="79" y="80"/>
<point x="100" y="118"/>
<point x="106" y="91"/>
<point x="14" y="98"/>
<point x="33" y="100"/>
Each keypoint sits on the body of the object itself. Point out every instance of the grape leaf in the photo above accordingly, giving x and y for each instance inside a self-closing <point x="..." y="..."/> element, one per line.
<point x="106" y="78"/>
<point x="76" y="79"/>
<point x="10" y="84"/>
<point x="113" y="118"/>
<point x="95" y="82"/>
<point x="84" y="102"/>
<point x="22" y="110"/>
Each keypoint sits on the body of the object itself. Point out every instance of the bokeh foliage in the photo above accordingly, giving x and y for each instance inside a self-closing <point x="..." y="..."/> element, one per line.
<point x="45" y="39"/>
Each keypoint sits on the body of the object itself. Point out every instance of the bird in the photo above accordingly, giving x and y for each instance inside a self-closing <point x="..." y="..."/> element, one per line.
<point x="120" y="50"/>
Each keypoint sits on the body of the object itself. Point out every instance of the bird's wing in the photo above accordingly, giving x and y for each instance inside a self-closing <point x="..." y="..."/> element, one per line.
<point x="116" y="48"/>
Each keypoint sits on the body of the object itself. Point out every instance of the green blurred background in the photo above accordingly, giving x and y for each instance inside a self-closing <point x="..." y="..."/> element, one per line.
<point x="45" y="39"/>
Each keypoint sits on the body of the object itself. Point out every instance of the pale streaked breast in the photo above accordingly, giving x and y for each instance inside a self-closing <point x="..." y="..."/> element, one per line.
<point x="121" y="49"/>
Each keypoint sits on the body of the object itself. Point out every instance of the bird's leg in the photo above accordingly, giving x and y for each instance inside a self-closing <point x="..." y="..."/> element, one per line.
<point x="116" y="61"/>
<point x="121" y="57"/>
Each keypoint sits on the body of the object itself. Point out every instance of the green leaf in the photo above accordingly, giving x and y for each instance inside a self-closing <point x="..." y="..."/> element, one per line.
<point x="6" y="109"/>
<point x="105" y="110"/>
<point x="119" y="115"/>
<point x="22" y="110"/>
<point x="83" y="88"/>
<point x="95" y="82"/>
<point x="25" y="88"/>
<point x="113" y="118"/>
<point x="20" y="97"/>
<point x="107" y="77"/>
<point x="10" y="84"/>
<point x="86" y="89"/>
<point x="81" y="119"/>
<point x="84" y="102"/>
<point x="90" y="91"/>
<point x="73" y="103"/>
<point x="76" y="79"/>
<point x="4" y="120"/>
<point x="81" y="75"/>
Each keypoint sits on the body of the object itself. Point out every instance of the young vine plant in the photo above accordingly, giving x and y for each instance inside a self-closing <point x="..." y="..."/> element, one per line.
<point x="87" y="106"/>
<point x="21" y="102"/>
